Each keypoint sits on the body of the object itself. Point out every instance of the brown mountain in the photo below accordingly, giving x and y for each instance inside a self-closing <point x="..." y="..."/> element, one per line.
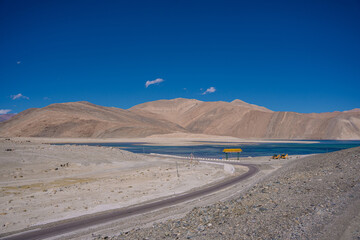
<point x="248" y="105"/>
<point x="236" y="118"/>
<point x="83" y="119"/>
<point x="240" y="119"/>
<point x="5" y="117"/>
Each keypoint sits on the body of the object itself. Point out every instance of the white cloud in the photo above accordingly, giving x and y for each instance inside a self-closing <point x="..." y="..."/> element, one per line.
<point x="46" y="98"/>
<point x="4" y="111"/>
<point x="17" y="96"/>
<point x="156" y="81"/>
<point x="18" y="62"/>
<point x="209" y="90"/>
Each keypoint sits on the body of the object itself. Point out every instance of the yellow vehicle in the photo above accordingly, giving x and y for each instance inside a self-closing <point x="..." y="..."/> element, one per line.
<point x="276" y="156"/>
<point x="284" y="156"/>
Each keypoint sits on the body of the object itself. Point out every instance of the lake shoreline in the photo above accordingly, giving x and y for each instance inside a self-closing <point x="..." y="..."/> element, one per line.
<point x="165" y="140"/>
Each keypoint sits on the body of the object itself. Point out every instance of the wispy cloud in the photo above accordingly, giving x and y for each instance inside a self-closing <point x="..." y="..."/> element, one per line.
<point x="17" y="96"/>
<point x="46" y="98"/>
<point x="156" y="81"/>
<point x="209" y="90"/>
<point x="4" y="111"/>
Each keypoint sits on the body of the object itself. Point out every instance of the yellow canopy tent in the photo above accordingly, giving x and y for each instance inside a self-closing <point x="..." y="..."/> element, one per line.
<point x="232" y="150"/>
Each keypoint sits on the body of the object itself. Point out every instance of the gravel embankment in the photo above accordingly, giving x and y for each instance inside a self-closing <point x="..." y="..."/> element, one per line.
<point x="317" y="197"/>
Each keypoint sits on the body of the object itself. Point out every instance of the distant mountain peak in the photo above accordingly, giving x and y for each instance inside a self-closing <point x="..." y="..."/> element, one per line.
<point x="84" y="102"/>
<point x="236" y="118"/>
<point x="165" y="103"/>
<point x="5" y="117"/>
<point x="182" y="100"/>
<point x="353" y="110"/>
<point x="239" y="102"/>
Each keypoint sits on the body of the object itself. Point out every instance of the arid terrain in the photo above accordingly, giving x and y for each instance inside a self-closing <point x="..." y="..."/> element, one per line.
<point x="4" y="117"/>
<point x="235" y="119"/>
<point x="41" y="183"/>
<point x="316" y="197"/>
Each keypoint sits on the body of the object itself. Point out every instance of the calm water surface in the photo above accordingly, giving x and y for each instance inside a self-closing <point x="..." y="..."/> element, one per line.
<point x="214" y="150"/>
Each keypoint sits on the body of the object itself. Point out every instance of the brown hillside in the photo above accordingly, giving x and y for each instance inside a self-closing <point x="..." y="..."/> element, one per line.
<point x="83" y="119"/>
<point x="5" y="117"/>
<point x="252" y="106"/>
<point x="238" y="119"/>
<point x="175" y="110"/>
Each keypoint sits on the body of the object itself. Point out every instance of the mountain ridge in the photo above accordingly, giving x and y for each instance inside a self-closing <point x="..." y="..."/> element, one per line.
<point x="7" y="116"/>
<point x="236" y="118"/>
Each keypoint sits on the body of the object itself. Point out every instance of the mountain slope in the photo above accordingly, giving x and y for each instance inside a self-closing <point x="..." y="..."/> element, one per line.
<point x="174" y="110"/>
<point x="240" y="119"/>
<point x="236" y="118"/>
<point x="5" y="117"/>
<point x="252" y="106"/>
<point x="83" y="119"/>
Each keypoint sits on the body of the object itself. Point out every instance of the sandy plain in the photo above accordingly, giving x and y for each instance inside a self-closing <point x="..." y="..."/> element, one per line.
<point x="42" y="183"/>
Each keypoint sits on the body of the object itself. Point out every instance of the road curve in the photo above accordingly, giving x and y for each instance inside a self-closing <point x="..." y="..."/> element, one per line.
<point x="76" y="224"/>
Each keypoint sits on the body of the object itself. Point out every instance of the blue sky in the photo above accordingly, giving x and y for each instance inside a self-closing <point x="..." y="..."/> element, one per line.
<point x="301" y="56"/>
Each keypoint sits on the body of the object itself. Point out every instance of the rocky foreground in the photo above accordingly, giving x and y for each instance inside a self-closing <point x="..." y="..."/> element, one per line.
<point x="317" y="197"/>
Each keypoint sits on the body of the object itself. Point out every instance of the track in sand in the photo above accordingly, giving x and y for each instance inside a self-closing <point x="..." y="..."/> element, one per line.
<point x="70" y="225"/>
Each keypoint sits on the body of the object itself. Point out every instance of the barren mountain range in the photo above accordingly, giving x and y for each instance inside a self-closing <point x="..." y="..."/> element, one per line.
<point x="236" y="118"/>
<point x="7" y="116"/>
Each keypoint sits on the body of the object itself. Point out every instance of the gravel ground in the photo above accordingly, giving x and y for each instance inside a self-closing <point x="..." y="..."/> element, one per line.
<point x="317" y="197"/>
<point x="41" y="183"/>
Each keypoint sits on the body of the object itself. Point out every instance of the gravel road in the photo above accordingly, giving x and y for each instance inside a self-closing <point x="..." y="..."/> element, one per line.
<point x="316" y="197"/>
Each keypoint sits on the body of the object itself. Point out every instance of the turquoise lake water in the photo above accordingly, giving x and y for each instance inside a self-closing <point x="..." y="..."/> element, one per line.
<point x="214" y="150"/>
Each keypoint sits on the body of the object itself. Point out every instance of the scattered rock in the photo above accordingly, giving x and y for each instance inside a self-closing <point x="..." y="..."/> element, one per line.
<point x="294" y="203"/>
